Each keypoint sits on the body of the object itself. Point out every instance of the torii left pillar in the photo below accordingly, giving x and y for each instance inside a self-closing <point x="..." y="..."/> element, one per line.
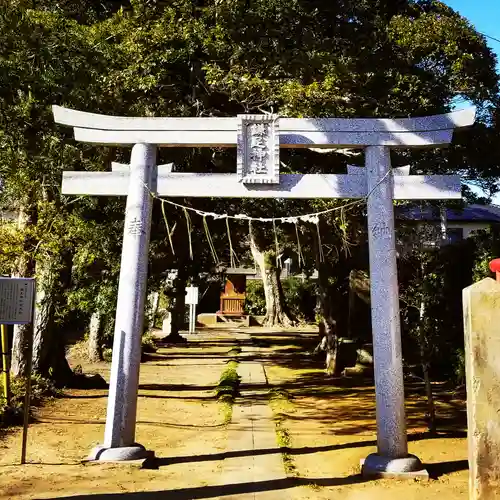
<point x="119" y="436"/>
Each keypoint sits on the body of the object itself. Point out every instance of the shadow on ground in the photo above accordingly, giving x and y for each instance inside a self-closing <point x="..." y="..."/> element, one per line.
<point x="435" y="471"/>
<point x="225" y="490"/>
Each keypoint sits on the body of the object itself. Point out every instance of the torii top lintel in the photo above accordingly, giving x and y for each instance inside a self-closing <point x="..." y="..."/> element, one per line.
<point x="430" y="131"/>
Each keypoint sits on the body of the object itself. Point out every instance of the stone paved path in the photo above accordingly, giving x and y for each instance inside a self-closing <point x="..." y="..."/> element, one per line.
<point x="257" y="461"/>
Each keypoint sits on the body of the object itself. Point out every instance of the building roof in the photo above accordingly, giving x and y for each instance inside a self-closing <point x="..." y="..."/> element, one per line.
<point x="470" y="213"/>
<point x="240" y="270"/>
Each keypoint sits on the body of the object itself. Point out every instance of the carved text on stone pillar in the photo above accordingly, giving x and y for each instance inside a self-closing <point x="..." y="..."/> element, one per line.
<point x="135" y="227"/>
<point x="258" y="149"/>
<point x="381" y="230"/>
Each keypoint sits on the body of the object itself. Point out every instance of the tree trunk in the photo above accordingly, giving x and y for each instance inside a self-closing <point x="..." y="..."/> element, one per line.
<point x="44" y="316"/>
<point x="153" y="304"/>
<point x="444" y="224"/>
<point x="53" y="278"/>
<point x="25" y="268"/>
<point x="328" y="328"/>
<point x="20" y="349"/>
<point x="277" y="313"/>
<point x="431" y="410"/>
<point x="332" y="343"/>
<point x="178" y="306"/>
<point x="94" y="348"/>
<point x="49" y="346"/>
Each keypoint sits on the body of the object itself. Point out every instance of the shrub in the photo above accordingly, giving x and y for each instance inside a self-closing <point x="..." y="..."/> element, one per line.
<point x="459" y="366"/>
<point x="229" y="382"/>
<point x="148" y="342"/>
<point x="255" y="302"/>
<point x="41" y="389"/>
<point x="107" y="354"/>
<point x="300" y="296"/>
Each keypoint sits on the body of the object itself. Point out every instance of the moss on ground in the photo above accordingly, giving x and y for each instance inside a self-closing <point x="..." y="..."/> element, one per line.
<point x="281" y="405"/>
<point x="284" y="442"/>
<point x="227" y="389"/>
<point x="235" y="351"/>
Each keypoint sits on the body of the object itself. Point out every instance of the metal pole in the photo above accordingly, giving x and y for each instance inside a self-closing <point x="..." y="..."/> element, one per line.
<point x="191" y="316"/>
<point x="194" y="318"/>
<point x="27" y="395"/>
<point x="5" y="364"/>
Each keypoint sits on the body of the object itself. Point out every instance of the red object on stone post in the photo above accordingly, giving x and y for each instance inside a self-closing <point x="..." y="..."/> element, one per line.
<point x="495" y="268"/>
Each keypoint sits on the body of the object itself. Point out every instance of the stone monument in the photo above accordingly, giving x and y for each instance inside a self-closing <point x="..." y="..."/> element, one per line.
<point x="481" y="303"/>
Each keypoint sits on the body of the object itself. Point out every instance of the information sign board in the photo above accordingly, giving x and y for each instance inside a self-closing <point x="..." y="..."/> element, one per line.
<point x="192" y="295"/>
<point x="16" y="300"/>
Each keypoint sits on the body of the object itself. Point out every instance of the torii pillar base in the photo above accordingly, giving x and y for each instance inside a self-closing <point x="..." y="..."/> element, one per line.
<point x="121" y="454"/>
<point x="377" y="466"/>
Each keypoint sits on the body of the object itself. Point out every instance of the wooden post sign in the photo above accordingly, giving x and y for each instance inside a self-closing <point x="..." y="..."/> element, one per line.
<point x="17" y="303"/>
<point x="192" y="295"/>
<point x="192" y="301"/>
<point x="16" y="307"/>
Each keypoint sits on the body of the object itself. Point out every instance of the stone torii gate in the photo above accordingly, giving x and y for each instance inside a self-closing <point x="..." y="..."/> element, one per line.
<point x="258" y="140"/>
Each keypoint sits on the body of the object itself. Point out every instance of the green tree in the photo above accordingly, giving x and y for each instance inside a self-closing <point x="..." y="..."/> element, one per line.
<point x="296" y="58"/>
<point x="45" y="58"/>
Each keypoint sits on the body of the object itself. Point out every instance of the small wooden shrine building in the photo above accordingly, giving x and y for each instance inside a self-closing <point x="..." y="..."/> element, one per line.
<point x="232" y="298"/>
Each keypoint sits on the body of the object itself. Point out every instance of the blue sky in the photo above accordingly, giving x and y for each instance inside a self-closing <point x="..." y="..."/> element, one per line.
<point x="485" y="16"/>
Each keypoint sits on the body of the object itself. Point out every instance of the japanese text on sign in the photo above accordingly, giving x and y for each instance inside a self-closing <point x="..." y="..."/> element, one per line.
<point x="16" y="300"/>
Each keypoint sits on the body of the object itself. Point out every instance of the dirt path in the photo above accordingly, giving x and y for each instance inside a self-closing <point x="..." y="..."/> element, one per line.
<point x="326" y="428"/>
<point x="178" y="418"/>
<point x="332" y="427"/>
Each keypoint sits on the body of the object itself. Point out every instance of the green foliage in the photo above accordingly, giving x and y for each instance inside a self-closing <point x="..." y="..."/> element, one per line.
<point x="437" y="279"/>
<point x="107" y="355"/>
<point x="229" y="381"/>
<point x="284" y="442"/>
<point x="459" y="366"/>
<point x="41" y="389"/>
<point x="280" y="402"/>
<point x="148" y="342"/>
<point x="164" y="305"/>
<point x="255" y="301"/>
<point x="301" y="297"/>
<point x="346" y="59"/>
<point x="487" y="248"/>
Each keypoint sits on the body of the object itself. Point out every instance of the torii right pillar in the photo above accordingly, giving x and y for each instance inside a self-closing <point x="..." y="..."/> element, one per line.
<point x="392" y="456"/>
